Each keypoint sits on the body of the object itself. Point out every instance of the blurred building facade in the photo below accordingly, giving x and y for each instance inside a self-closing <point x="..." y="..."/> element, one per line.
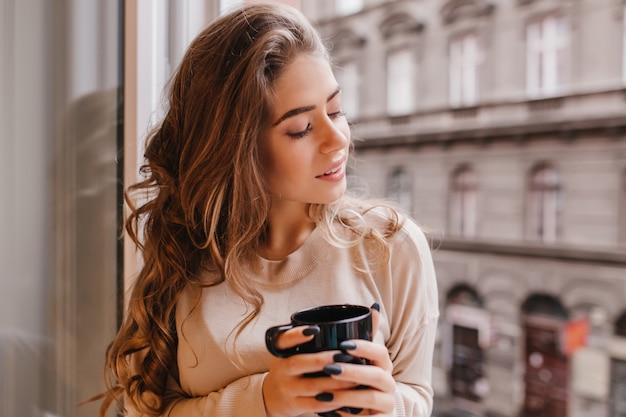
<point x="500" y="125"/>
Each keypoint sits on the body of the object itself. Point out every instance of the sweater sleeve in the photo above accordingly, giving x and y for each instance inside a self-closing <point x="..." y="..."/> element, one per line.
<point x="412" y="310"/>
<point x="241" y="398"/>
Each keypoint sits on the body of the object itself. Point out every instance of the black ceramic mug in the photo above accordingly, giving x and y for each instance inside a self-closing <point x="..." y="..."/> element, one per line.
<point x="337" y="323"/>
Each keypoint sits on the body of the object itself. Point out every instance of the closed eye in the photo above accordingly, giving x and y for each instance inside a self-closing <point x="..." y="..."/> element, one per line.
<point x="301" y="134"/>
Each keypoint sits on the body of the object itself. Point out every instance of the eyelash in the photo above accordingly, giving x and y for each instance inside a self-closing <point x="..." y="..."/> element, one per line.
<point x="299" y="135"/>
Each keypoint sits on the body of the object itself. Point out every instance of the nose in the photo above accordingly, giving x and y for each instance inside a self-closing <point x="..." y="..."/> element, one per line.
<point x="335" y="135"/>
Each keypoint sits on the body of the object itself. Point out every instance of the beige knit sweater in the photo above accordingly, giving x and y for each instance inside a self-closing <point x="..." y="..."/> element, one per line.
<point x="213" y="385"/>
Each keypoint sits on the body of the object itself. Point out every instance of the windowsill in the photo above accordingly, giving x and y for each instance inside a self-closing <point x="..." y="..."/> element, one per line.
<point x="555" y="251"/>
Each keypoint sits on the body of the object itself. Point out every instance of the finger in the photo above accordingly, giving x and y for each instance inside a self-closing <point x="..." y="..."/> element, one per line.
<point x="376" y="402"/>
<point x="296" y="336"/>
<point x="305" y="363"/>
<point x="377" y="354"/>
<point x="371" y="376"/>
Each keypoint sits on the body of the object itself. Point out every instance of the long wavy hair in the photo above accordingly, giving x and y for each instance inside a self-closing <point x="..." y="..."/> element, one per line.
<point x="204" y="201"/>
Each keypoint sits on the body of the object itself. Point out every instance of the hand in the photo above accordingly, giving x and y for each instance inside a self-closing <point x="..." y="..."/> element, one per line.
<point x="286" y="391"/>
<point x="379" y="396"/>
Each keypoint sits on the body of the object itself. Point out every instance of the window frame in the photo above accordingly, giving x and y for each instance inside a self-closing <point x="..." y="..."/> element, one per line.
<point x="547" y="55"/>
<point x="545" y="203"/>
<point x="463" y="201"/>
<point x="349" y="79"/>
<point x="400" y="82"/>
<point x="464" y="67"/>
<point x="399" y="188"/>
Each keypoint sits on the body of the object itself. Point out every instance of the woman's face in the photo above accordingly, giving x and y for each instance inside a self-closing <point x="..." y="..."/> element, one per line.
<point x="305" y="150"/>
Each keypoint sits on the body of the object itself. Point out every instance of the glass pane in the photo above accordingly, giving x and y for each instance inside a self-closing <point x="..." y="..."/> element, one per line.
<point x="348" y="79"/>
<point x="400" y="73"/>
<point x="346" y="7"/>
<point x="60" y="110"/>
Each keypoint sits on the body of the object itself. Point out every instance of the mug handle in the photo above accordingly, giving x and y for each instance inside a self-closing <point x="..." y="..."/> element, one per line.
<point x="271" y="336"/>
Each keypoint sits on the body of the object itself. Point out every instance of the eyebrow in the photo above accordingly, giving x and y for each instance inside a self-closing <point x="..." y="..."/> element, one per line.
<point x="299" y="110"/>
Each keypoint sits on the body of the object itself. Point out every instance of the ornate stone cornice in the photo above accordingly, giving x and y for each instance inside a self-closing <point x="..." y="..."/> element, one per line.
<point x="400" y="23"/>
<point x="347" y="39"/>
<point x="454" y="10"/>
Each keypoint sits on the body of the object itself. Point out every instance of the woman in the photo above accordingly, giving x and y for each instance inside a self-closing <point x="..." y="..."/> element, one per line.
<point x="248" y="221"/>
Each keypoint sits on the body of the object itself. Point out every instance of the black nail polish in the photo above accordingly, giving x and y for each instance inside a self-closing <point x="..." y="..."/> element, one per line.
<point x="376" y="307"/>
<point x="351" y="410"/>
<point x="311" y="330"/>
<point x="343" y="357"/>
<point x="329" y="414"/>
<point x="333" y="369"/>
<point x="325" y="397"/>
<point x="347" y="345"/>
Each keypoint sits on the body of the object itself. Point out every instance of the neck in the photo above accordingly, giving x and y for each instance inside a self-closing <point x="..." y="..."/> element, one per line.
<point x="289" y="227"/>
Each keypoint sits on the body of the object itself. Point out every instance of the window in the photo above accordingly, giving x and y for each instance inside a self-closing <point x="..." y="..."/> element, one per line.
<point x="348" y="78"/>
<point x="546" y="367"/>
<point x="624" y="45"/>
<point x="400" y="78"/>
<point x="618" y="370"/>
<point x="467" y="336"/>
<point x="60" y="181"/>
<point x="347" y="7"/>
<point x="463" y="202"/>
<point x="546" y="55"/>
<point x="545" y="203"/>
<point x="464" y="56"/>
<point x="228" y="5"/>
<point x="622" y="209"/>
<point x="399" y="189"/>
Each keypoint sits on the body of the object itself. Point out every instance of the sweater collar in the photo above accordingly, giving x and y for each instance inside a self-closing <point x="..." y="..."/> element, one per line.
<point x="295" y="266"/>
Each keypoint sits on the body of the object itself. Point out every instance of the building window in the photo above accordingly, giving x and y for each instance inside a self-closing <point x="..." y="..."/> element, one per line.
<point x="463" y="202"/>
<point x="545" y="194"/>
<point x="622" y="220"/>
<point x="618" y="369"/>
<point x="467" y="335"/>
<point x="400" y="82"/>
<point x="348" y="78"/>
<point x="465" y="57"/>
<point x="400" y="189"/>
<point x="347" y="7"/>
<point x="546" y="56"/>
<point x="546" y="366"/>
<point x="624" y="45"/>
<point x="228" y="5"/>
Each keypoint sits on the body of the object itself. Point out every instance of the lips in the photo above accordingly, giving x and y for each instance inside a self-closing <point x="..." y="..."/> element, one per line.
<point x="332" y="171"/>
<point x="335" y="167"/>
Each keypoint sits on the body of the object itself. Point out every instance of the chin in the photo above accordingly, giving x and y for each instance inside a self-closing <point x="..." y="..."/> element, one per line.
<point x="334" y="198"/>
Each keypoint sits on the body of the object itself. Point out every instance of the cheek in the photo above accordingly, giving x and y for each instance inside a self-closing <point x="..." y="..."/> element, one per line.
<point x="266" y="162"/>
<point x="275" y="167"/>
<point x="344" y="127"/>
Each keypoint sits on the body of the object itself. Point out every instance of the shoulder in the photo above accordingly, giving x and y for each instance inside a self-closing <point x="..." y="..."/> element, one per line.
<point x="396" y="226"/>
<point x="378" y="225"/>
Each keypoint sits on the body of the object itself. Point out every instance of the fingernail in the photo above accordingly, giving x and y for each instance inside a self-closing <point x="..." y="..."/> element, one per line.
<point x="325" y="397"/>
<point x="347" y="345"/>
<point x="376" y="307"/>
<point x="350" y="410"/>
<point x="343" y="357"/>
<point x="333" y="369"/>
<point x="311" y="330"/>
